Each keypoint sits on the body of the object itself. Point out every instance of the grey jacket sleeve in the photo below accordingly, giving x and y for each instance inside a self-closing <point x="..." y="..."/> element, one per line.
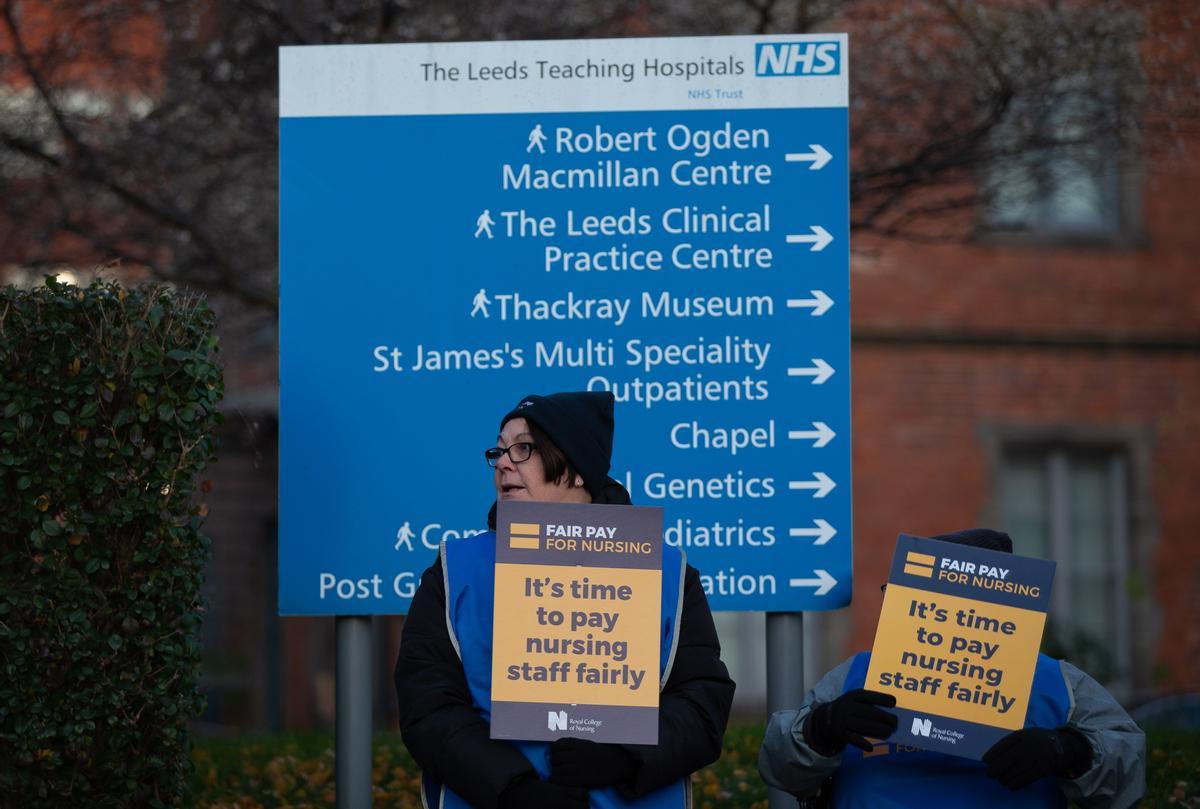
<point x="786" y="761"/>
<point x="1118" y="774"/>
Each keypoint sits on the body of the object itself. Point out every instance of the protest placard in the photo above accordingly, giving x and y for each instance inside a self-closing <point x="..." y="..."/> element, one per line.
<point x="957" y="643"/>
<point x="576" y="638"/>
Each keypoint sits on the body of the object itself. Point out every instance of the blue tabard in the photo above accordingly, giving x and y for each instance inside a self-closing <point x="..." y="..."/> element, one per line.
<point x="905" y="776"/>
<point x="469" y="567"/>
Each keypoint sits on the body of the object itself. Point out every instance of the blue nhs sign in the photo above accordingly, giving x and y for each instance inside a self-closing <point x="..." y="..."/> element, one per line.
<point x="797" y="59"/>
<point x="682" y="246"/>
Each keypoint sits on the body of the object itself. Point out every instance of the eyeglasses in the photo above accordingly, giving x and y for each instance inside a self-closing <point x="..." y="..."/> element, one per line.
<point x="517" y="453"/>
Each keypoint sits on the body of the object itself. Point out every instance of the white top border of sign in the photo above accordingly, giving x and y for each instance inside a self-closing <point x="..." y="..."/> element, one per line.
<point x="590" y="75"/>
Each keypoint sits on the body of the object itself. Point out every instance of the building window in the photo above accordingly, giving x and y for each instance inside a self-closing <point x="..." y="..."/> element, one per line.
<point x="1071" y="503"/>
<point x="1055" y="174"/>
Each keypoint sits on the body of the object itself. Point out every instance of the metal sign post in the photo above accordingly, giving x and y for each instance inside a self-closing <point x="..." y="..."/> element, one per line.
<point x="785" y="677"/>
<point x="353" y="712"/>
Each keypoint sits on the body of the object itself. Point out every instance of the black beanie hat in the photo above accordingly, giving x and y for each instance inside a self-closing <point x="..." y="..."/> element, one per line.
<point x="581" y="425"/>
<point x="984" y="538"/>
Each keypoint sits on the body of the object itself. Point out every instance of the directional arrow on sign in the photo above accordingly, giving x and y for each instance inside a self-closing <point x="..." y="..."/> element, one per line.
<point x="823" y="582"/>
<point x="821" y="436"/>
<point x="819" y="238"/>
<point x="820" y="371"/>
<point x="823" y="532"/>
<point x="821" y="484"/>
<point x="819" y="303"/>
<point x="818" y="156"/>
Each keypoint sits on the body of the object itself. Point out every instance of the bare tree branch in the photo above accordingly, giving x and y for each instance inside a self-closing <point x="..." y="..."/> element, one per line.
<point x="148" y="132"/>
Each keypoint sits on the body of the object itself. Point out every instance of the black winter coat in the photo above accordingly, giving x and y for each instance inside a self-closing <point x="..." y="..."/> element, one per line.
<point x="449" y="740"/>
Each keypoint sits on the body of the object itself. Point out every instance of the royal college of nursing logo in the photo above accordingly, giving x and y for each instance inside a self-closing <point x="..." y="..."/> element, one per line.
<point x="797" y="59"/>
<point x="556" y="720"/>
<point x="924" y="727"/>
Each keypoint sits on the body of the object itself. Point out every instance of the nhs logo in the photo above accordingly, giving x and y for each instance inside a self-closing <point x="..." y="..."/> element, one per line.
<point x="797" y="59"/>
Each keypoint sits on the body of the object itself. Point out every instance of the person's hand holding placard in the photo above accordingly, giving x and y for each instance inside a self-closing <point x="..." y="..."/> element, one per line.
<point x="852" y="718"/>
<point x="582" y="763"/>
<point x="1026" y="755"/>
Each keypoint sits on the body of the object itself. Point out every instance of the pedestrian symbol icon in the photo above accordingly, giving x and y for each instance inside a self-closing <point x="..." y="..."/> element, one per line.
<point x="405" y="536"/>
<point x="480" y="303"/>
<point x="484" y="224"/>
<point x="537" y="139"/>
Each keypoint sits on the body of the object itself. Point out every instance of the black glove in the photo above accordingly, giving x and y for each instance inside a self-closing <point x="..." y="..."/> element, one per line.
<point x="849" y="719"/>
<point x="580" y="763"/>
<point x="1024" y="756"/>
<point x="534" y="793"/>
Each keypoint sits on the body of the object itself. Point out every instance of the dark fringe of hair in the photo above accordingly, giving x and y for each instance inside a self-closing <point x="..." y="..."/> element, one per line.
<point x="553" y="460"/>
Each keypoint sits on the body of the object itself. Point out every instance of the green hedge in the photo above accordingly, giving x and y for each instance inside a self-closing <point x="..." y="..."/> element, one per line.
<point x="296" y="771"/>
<point x="108" y="400"/>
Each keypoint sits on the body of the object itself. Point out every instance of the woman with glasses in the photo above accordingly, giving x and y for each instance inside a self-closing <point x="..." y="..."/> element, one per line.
<point x="555" y="448"/>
